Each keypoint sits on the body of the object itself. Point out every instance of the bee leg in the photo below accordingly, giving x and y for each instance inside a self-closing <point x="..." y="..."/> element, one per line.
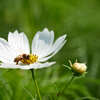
<point x="16" y="62"/>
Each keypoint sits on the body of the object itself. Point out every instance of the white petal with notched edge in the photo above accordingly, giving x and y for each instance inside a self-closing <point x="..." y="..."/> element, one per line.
<point x="43" y="42"/>
<point x="19" y="42"/>
<point x="6" y="53"/>
<point x="43" y="45"/>
<point x="31" y="66"/>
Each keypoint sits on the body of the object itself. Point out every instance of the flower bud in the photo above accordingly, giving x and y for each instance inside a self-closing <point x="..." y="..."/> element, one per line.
<point x="79" y="67"/>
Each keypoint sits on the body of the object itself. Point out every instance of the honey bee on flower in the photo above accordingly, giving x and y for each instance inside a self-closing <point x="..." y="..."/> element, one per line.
<point x="15" y="53"/>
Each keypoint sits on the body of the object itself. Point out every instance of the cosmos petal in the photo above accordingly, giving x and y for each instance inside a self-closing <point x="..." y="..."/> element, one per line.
<point x="56" y="51"/>
<point x="59" y="43"/>
<point x="35" y="44"/>
<point x="41" y="65"/>
<point x="44" y="41"/>
<point x="9" y="66"/>
<point x="26" y="67"/>
<point x="6" y="53"/>
<point x="19" y="42"/>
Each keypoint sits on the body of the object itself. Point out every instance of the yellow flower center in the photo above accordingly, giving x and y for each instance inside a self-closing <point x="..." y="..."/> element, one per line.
<point x="26" y="59"/>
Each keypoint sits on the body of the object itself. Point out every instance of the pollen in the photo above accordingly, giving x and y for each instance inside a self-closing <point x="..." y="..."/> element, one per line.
<point x="26" y="59"/>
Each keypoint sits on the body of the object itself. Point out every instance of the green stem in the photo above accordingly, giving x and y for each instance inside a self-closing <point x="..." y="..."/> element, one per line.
<point x="66" y="86"/>
<point x="36" y="85"/>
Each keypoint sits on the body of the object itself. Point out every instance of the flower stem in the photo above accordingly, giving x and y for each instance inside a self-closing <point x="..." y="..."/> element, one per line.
<point x="36" y="85"/>
<point x="66" y="86"/>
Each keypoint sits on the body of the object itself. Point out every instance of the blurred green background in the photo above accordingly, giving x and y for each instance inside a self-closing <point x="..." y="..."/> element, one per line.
<point x="80" y="20"/>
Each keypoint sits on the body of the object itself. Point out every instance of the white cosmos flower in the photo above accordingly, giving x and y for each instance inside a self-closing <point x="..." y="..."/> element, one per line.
<point x="43" y="48"/>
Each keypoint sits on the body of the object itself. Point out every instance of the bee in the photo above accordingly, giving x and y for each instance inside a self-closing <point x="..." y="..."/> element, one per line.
<point x="21" y="58"/>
